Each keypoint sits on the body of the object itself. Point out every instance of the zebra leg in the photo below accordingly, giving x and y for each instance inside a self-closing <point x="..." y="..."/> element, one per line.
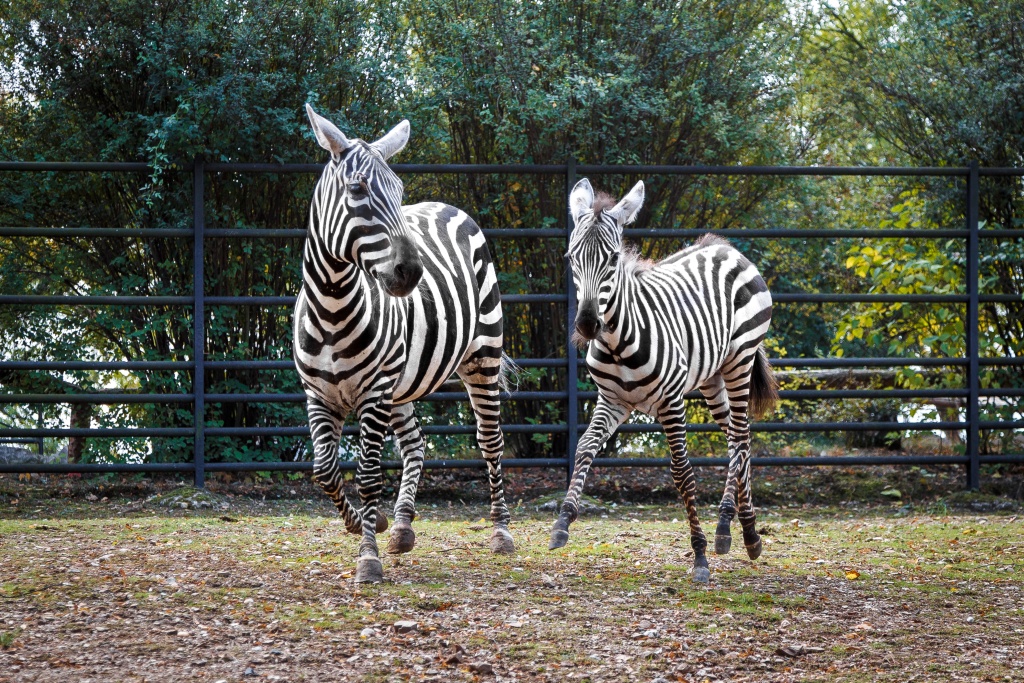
<point x="325" y="428"/>
<point x="373" y="426"/>
<point x="480" y="375"/>
<point x="737" y="382"/>
<point x="718" y="402"/>
<point x="409" y="437"/>
<point x="674" y="423"/>
<point x="607" y="417"/>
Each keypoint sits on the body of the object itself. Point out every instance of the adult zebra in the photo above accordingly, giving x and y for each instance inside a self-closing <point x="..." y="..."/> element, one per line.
<point x="694" y="320"/>
<point x="394" y="300"/>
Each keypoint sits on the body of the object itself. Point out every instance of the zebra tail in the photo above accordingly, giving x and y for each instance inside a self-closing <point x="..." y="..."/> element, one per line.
<point x="764" y="388"/>
<point x="508" y="375"/>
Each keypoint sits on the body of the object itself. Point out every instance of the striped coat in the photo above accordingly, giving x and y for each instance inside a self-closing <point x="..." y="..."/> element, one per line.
<point x="655" y="331"/>
<point x="394" y="300"/>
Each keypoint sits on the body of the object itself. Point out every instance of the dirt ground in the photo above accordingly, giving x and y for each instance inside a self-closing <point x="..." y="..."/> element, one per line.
<point x="135" y="579"/>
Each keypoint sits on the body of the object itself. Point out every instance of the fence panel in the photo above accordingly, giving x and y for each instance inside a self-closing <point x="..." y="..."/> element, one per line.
<point x="198" y="397"/>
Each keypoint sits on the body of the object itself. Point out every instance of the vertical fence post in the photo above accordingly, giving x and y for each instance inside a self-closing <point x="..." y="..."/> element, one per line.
<point x="198" y="324"/>
<point x="572" y="374"/>
<point x="972" y="325"/>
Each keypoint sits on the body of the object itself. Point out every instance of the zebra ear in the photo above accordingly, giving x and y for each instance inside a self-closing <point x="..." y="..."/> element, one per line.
<point x="327" y="134"/>
<point x="581" y="199"/>
<point x="626" y="210"/>
<point x="394" y="141"/>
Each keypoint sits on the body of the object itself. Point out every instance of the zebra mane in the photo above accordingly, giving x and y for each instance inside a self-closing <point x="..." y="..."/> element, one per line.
<point x="633" y="261"/>
<point x="710" y="240"/>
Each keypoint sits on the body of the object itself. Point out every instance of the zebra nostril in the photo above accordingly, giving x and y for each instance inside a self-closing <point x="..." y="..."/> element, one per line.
<point x="587" y="327"/>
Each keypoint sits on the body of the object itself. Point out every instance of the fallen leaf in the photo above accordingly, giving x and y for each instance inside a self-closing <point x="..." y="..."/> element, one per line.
<point x="852" y="574"/>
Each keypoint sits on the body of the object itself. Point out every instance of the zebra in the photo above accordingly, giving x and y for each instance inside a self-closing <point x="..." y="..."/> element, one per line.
<point x="394" y="299"/>
<point x="695" y="320"/>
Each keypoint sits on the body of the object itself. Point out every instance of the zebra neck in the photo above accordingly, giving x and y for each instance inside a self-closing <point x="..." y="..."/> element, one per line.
<point x="619" y="318"/>
<point x="340" y="291"/>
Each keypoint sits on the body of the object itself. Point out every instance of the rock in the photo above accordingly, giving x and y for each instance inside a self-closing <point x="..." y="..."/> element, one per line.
<point x="552" y="503"/>
<point x="188" y="497"/>
<point x="367" y="633"/>
<point x="481" y="668"/>
<point x="797" y="650"/>
<point x="249" y="672"/>
<point x="405" y="626"/>
<point x="16" y="455"/>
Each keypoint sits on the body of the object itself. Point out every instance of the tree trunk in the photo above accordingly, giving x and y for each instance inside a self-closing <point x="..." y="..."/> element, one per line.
<point x="81" y="418"/>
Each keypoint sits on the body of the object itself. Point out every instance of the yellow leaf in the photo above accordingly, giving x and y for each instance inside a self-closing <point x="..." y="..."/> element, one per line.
<point x="851" y="575"/>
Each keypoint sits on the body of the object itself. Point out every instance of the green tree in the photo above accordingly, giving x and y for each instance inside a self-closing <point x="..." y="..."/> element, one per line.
<point x="936" y="83"/>
<point x="124" y="80"/>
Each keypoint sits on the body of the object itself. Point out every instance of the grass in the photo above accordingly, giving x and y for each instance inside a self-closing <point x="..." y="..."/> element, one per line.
<point x="881" y="593"/>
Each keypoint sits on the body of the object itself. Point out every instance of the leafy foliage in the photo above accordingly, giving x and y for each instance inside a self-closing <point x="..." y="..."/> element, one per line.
<point x="682" y="82"/>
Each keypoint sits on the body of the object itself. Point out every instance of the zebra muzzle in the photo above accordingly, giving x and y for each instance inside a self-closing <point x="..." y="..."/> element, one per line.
<point x="588" y="324"/>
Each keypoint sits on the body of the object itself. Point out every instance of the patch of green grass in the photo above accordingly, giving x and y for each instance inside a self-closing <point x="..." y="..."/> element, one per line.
<point x="7" y="639"/>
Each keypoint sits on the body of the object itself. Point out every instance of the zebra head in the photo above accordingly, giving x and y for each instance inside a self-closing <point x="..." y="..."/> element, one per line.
<point x="595" y="248"/>
<point x="357" y="207"/>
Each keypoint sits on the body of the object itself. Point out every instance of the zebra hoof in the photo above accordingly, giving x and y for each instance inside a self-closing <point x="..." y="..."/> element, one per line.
<point x="559" y="537"/>
<point x="722" y="544"/>
<point x="754" y="549"/>
<point x="402" y="540"/>
<point x="369" y="570"/>
<point x="382" y="522"/>
<point x="701" y="575"/>
<point x="501" y="542"/>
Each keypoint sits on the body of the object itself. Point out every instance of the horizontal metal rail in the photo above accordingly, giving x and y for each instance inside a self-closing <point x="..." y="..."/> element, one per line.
<point x="548" y="428"/>
<point x="515" y="169"/>
<point x="786" y="394"/>
<point x="531" y="233"/>
<point x="514" y="463"/>
<point x="830" y="362"/>
<point x="780" y="298"/>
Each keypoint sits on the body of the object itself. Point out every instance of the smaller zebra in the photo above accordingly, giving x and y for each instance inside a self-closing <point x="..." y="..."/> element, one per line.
<point x="694" y="320"/>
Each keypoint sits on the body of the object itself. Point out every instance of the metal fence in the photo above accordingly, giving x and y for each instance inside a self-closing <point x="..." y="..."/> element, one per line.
<point x="198" y="397"/>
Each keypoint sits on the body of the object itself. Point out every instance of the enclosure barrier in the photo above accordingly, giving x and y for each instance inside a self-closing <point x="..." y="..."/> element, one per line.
<point x="972" y="459"/>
